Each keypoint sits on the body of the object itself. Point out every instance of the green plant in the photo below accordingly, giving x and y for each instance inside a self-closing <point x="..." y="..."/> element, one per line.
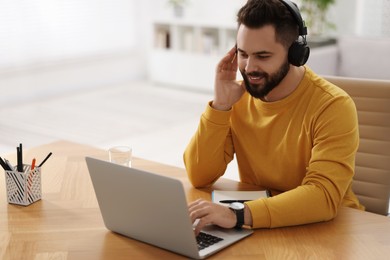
<point x="177" y="2"/>
<point x="178" y="7"/>
<point x="314" y="12"/>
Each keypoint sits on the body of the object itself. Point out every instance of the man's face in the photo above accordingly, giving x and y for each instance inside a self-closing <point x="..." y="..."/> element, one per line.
<point x="261" y="60"/>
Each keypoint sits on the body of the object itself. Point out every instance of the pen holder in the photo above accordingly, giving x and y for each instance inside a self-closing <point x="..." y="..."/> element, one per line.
<point x="23" y="188"/>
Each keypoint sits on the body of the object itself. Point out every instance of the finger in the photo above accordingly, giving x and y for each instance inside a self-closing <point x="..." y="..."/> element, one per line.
<point x="199" y="212"/>
<point x="233" y="50"/>
<point x="194" y="215"/>
<point x="196" y="210"/>
<point x="194" y="203"/>
<point x="202" y="223"/>
<point x="224" y="62"/>
<point x="242" y="85"/>
<point x="233" y="53"/>
<point x="229" y="59"/>
<point x="234" y="59"/>
<point x="193" y="206"/>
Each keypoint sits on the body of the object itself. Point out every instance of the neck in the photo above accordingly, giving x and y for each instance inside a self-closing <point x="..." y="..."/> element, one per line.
<point x="287" y="85"/>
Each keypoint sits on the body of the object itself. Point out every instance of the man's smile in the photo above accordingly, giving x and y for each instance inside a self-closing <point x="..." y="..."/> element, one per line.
<point x="255" y="78"/>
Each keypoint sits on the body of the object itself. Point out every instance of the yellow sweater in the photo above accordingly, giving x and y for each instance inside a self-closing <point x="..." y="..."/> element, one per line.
<point x="302" y="148"/>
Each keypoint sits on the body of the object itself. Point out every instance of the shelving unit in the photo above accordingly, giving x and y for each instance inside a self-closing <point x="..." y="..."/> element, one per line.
<point x="185" y="52"/>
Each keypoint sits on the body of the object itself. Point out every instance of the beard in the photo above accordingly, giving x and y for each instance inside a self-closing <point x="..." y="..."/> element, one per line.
<point x="260" y="91"/>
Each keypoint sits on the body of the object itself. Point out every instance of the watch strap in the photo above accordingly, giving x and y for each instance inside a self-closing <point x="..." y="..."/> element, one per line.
<point x="240" y="218"/>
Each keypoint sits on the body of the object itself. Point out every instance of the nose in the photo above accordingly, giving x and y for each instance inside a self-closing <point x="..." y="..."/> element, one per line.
<point x="250" y="65"/>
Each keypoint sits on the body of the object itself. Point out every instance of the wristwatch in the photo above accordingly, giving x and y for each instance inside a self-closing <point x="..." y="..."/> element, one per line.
<point x="238" y="208"/>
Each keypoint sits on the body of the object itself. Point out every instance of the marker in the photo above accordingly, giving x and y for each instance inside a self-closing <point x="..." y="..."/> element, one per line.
<point x="33" y="164"/>
<point x="47" y="157"/>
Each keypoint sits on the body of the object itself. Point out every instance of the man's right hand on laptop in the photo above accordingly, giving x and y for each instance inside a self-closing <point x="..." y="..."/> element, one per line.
<point x="211" y="213"/>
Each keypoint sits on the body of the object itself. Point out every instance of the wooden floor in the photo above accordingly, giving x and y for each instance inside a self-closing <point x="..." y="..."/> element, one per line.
<point x="156" y="121"/>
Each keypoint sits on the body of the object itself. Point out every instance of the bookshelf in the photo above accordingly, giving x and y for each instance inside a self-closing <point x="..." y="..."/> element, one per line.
<point x="185" y="52"/>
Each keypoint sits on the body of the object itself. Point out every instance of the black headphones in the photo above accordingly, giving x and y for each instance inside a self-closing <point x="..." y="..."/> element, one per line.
<point x="298" y="52"/>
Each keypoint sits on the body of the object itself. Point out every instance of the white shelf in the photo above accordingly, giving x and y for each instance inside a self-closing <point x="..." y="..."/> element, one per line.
<point x="186" y="51"/>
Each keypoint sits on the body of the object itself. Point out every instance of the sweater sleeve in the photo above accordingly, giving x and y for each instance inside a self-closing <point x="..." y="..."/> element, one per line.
<point x="210" y="149"/>
<point x="328" y="175"/>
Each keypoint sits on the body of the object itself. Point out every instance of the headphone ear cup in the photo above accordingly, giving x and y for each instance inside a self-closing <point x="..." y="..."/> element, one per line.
<point x="298" y="53"/>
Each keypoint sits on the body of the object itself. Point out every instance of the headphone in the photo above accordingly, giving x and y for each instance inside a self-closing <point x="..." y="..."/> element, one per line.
<point x="298" y="52"/>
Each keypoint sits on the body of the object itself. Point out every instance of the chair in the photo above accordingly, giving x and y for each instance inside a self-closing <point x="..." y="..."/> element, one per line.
<point x="371" y="182"/>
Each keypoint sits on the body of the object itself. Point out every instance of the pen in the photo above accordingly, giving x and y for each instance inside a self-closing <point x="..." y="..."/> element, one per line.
<point x="19" y="154"/>
<point x="9" y="164"/>
<point x="47" y="157"/>
<point x="5" y="165"/>
<point x="231" y="201"/>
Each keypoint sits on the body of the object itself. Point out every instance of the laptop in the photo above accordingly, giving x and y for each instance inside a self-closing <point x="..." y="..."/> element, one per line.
<point x="153" y="209"/>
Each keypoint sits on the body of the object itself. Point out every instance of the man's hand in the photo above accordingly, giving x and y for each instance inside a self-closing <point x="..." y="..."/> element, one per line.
<point x="227" y="90"/>
<point x="211" y="213"/>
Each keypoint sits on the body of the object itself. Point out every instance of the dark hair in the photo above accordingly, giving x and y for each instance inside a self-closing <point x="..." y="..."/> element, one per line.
<point x="258" y="13"/>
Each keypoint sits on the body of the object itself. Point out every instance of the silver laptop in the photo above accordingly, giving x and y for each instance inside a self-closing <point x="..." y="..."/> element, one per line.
<point x="152" y="208"/>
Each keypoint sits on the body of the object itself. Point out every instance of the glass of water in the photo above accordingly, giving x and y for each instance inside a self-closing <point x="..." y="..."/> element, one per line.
<point x="120" y="155"/>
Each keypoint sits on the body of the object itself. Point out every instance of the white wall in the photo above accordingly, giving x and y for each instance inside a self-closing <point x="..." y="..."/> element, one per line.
<point x="48" y="31"/>
<point x="200" y="9"/>
<point x="49" y="47"/>
<point x="43" y="31"/>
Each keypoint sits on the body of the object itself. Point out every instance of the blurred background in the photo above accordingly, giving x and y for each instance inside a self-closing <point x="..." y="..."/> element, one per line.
<point x="139" y="73"/>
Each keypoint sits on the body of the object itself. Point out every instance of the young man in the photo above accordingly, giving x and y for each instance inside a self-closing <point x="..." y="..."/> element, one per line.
<point x="292" y="132"/>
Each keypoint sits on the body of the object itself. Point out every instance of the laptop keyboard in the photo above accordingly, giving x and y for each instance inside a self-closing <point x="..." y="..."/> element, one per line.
<point x="205" y="240"/>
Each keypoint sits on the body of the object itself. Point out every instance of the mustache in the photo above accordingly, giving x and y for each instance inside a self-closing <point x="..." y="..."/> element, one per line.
<point x="256" y="74"/>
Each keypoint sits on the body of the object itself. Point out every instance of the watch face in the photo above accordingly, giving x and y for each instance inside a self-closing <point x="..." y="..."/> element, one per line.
<point x="236" y="206"/>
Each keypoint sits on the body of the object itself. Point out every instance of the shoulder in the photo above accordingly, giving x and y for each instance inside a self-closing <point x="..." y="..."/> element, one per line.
<point x="325" y="93"/>
<point x="330" y="103"/>
<point x="322" y="86"/>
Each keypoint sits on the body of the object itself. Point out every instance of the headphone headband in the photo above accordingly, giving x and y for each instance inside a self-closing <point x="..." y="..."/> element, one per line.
<point x="293" y="8"/>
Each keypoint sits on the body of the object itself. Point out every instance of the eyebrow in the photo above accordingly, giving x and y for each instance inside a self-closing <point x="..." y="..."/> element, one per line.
<point x="257" y="53"/>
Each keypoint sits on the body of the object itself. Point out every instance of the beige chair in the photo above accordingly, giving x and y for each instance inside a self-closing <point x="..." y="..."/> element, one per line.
<point x="372" y="175"/>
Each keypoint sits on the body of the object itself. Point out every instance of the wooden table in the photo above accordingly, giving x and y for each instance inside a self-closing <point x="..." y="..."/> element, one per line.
<point x="66" y="223"/>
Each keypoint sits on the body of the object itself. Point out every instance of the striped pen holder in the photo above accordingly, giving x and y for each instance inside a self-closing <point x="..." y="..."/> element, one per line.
<point x="23" y="188"/>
